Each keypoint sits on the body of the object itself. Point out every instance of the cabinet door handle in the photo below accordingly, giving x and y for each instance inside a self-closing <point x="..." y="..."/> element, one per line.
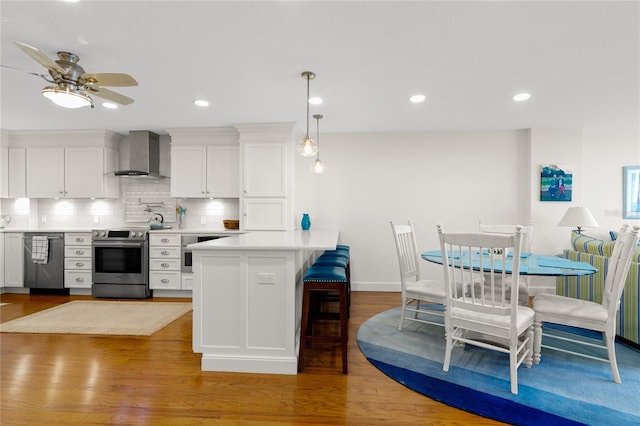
<point x="79" y="280"/>
<point x="164" y="281"/>
<point x="79" y="239"/>
<point x="164" y="253"/>
<point x="165" y="240"/>
<point x="165" y="265"/>
<point x="79" y="264"/>
<point x="79" y="251"/>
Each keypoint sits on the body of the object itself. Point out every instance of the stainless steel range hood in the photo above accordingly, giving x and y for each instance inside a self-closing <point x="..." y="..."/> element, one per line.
<point x="144" y="155"/>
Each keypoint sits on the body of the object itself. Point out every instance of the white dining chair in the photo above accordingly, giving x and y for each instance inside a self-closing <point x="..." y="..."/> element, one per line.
<point x="585" y="314"/>
<point x="527" y="231"/>
<point x="488" y="315"/>
<point x="422" y="300"/>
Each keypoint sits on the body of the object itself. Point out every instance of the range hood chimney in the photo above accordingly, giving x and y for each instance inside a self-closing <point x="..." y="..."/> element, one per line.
<point x="144" y="155"/>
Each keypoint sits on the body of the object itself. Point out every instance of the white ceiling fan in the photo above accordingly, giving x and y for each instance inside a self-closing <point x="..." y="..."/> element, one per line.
<point x="72" y="85"/>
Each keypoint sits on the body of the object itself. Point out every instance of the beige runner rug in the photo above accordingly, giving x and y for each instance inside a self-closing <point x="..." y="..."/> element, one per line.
<point x="100" y="317"/>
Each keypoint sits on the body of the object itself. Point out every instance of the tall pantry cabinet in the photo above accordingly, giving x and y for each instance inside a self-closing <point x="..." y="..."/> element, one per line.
<point x="266" y="174"/>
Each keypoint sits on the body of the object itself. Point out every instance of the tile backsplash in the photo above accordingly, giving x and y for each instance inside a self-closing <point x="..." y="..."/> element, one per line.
<point x="200" y="214"/>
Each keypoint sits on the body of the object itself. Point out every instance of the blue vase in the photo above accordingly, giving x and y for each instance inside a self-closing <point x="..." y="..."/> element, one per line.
<point x="306" y="222"/>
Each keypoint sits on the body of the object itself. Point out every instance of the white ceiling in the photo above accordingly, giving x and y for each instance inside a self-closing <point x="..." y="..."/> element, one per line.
<point x="579" y="60"/>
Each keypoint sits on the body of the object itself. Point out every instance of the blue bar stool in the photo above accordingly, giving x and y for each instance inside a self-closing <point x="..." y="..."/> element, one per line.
<point x="324" y="279"/>
<point x="335" y="255"/>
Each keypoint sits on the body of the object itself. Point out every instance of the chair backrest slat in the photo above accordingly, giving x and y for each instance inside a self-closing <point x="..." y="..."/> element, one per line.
<point x="405" y="240"/>
<point x="476" y="266"/>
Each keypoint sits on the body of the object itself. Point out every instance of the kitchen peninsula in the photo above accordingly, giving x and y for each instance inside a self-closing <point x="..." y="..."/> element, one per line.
<point x="247" y="296"/>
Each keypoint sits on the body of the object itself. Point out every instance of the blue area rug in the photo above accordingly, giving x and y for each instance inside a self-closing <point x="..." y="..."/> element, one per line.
<point x="562" y="389"/>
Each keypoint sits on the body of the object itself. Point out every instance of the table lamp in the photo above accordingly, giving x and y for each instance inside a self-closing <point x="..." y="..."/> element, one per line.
<point x="579" y="217"/>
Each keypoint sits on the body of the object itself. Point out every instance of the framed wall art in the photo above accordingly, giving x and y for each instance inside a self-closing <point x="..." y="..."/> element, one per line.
<point x="631" y="192"/>
<point x="556" y="183"/>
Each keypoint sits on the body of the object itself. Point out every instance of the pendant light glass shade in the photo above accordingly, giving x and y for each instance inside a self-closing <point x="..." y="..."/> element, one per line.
<point x="318" y="166"/>
<point x="307" y="146"/>
<point x="67" y="98"/>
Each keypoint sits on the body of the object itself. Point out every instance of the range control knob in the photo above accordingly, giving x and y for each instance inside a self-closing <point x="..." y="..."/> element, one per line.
<point x="132" y="234"/>
<point x="103" y="234"/>
<point x="139" y="233"/>
<point x="95" y="233"/>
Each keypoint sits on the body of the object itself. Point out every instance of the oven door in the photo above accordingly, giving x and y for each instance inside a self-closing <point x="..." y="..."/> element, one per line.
<point x="120" y="262"/>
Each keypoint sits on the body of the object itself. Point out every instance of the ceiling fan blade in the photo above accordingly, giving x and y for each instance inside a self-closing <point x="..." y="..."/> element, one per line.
<point x="40" y="57"/>
<point x="28" y="72"/>
<point x="110" y="79"/>
<point x="109" y="95"/>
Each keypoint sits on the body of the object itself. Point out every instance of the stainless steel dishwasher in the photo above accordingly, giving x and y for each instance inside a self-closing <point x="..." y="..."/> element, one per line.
<point x="49" y="273"/>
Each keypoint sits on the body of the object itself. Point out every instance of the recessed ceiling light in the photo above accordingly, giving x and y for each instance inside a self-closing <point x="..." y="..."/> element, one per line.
<point x="416" y="99"/>
<point x="109" y="105"/>
<point x="201" y="103"/>
<point x="521" y="97"/>
<point x="315" y="101"/>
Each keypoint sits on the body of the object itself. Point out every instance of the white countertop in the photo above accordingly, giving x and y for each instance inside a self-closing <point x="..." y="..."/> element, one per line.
<point x="274" y="240"/>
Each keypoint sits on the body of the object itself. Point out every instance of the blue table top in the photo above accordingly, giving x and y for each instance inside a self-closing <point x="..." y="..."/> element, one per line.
<point x="530" y="264"/>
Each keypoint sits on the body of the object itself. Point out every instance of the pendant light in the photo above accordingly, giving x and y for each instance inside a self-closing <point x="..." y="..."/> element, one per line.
<point x="307" y="147"/>
<point x="318" y="166"/>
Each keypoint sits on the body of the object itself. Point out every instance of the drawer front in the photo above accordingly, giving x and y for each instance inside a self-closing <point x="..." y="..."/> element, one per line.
<point x="164" y="240"/>
<point x="164" y="265"/>
<point x="164" y="252"/>
<point x="164" y="280"/>
<point x="77" y="279"/>
<point x="77" y="239"/>
<point x="187" y="281"/>
<point x="77" y="263"/>
<point x="77" y="251"/>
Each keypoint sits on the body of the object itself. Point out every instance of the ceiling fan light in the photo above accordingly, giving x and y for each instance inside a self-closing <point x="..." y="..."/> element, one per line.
<point x="67" y="97"/>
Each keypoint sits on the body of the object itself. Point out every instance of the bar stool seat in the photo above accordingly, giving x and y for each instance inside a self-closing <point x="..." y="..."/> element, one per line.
<point x="324" y="279"/>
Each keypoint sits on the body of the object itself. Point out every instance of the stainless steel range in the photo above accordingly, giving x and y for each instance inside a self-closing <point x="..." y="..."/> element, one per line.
<point x="120" y="265"/>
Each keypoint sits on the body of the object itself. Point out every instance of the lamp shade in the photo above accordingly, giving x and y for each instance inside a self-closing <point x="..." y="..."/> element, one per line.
<point x="66" y="97"/>
<point x="579" y="217"/>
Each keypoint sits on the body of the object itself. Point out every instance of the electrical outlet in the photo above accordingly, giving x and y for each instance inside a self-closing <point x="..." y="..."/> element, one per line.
<point x="203" y="220"/>
<point x="43" y="218"/>
<point x="267" y="278"/>
<point x="96" y="219"/>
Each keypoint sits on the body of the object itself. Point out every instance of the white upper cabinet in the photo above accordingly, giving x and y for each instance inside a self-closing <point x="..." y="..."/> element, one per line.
<point x="205" y="163"/>
<point x="72" y="172"/>
<point x="45" y="173"/>
<point x="266" y="165"/>
<point x="63" y="164"/>
<point x="223" y="171"/>
<point x="189" y="171"/>
<point x="265" y="169"/>
<point x="17" y="173"/>
<point x="4" y="172"/>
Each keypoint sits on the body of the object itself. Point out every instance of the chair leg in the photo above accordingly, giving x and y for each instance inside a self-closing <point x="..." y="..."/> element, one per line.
<point x="528" y="361"/>
<point x="611" y="352"/>
<point x="447" y="351"/>
<point x="344" y="326"/>
<point x="513" y="365"/>
<point x="402" y="313"/>
<point x="537" y="341"/>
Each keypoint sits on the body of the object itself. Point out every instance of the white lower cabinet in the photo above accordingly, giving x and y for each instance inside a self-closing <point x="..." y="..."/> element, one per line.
<point x="77" y="260"/>
<point x="164" y="262"/>
<point x="13" y="260"/>
<point x="1" y="259"/>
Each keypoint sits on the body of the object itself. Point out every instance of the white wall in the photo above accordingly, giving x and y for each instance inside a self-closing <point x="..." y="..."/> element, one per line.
<point x="456" y="178"/>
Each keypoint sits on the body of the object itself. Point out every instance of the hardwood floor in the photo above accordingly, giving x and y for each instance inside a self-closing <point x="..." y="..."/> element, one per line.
<point x="89" y="379"/>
